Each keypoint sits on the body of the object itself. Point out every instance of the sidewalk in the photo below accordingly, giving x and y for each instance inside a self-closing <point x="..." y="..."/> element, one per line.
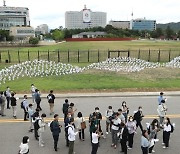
<point x="113" y="94"/>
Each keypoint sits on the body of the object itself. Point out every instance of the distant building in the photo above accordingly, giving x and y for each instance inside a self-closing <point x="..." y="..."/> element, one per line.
<point x="120" y="24"/>
<point x="13" y="16"/>
<point x="22" y="33"/>
<point x="90" y="35"/>
<point x="84" y="19"/>
<point x="42" y="29"/>
<point x="143" y="24"/>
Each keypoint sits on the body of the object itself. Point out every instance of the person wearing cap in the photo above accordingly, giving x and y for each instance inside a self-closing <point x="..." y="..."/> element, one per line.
<point x="162" y="109"/>
<point x="160" y="98"/>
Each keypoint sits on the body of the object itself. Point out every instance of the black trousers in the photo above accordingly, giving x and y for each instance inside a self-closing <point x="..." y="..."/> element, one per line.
<point x="25" y="114"/>
<point x="150" y="149"/>
<point x="8" y="101"/>
<point x="66" y="137"/>
<point x="81" y="134"/>
<point x="94" y="148"/>
<point x="166" y="136"/>
<point x="144" y="150"/>
<point x="138" y="123"/>
<point x="123" y="146"/>
<point x="38" y="105"/>
<point x="130" y="140"/>
<point x="36" y="133"/>
<point x="56" y="138"/>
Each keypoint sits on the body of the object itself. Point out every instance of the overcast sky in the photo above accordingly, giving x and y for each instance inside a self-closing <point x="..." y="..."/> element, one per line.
<point x="52" y="12"/>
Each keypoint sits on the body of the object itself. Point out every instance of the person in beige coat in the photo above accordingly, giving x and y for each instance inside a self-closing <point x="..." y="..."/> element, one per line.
<point x="41" y="129"/>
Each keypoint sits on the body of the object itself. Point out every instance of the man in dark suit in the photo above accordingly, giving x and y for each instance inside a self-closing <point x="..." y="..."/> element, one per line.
<point x="123" y="138"/>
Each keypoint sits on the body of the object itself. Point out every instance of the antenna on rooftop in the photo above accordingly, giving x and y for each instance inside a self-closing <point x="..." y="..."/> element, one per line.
<point x="4" y="3"/>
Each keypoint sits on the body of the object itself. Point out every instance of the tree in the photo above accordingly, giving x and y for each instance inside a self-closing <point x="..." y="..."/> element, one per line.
<point x="58" y="35"/>
<point x="169" y="32"/>
<point x="178" y="34"/>
<point x="33" y="40"/>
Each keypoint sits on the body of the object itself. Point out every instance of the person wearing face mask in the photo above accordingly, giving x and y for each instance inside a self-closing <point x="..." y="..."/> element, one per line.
<point x="66" y="122"/>
<point x="108" y="115"/>
<point x="166" y="132"/>
<point x="162" y="109"/>
<point x="131" y="126"/>
<point x="152" y="131"/>
<point x="24" y="147"/>
<point x="138" y="116"/>
<point x="125" y="110"/>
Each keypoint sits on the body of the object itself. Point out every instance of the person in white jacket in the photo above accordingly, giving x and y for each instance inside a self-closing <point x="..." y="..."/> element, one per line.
<point x="162" y="109"/>
<point x="41" y="129"/>
<point x="24" y="147"/>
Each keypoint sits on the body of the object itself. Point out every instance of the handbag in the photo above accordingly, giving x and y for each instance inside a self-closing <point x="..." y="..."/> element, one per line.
<point x="83" y="124"/>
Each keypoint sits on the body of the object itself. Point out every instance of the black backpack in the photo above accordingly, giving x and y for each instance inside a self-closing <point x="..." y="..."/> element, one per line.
<point x="22" y="106"/>
<point x="36" y="124"/>
<point x="172" y="128"/>
<point x="51" y="126"/>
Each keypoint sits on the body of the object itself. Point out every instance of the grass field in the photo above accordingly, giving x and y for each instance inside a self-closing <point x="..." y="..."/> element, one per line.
<point x="93" y="81"/>
<point x="94" y="47"/>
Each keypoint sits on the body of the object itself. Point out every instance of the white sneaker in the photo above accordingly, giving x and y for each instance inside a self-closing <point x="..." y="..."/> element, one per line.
<point x="164" y="147"/>
<point x="153" y="151"/>
<point x="107" y="133"/>
<point x="129" y="148"/>
<point x="42" y="145"/>
<point x="162" y="143"/>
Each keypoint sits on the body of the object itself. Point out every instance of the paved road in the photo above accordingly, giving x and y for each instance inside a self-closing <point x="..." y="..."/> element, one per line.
<point x="12" y="131"/>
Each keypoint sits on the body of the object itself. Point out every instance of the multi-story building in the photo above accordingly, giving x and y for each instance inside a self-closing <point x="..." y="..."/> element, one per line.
<point x="120" y="24"/>
<point x="42" y="29"/>
<point x="13" y="16"/>
<point x="143" y="24"/>
<point x="85" y="19"/>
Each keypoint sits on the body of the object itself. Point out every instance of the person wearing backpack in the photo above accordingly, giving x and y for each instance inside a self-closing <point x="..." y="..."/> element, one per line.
<point x="66" y="122"/>
<point x="51" y="99"/>
<point x="56" y="130"/>
<point x="138" y="116"/>
<point x="167" y="130"/>
<point x="13" y="105"/>
<point x="38" y="99"/>
<point x="65" y="108"/>
<point x="2" y="104"/>
<point x="41" y="124"/>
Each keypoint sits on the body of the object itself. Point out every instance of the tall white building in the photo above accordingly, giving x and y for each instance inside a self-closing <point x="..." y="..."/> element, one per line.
<point x="42" y="29"/>
<point x="85" y="19"/>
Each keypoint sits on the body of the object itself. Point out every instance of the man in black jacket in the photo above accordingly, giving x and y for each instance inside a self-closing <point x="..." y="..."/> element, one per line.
<point x="124" y="138"/>
<point x="138" y="116"/>
<point x="65" y="108"/>
<point x="51" y="99"/>
<point x="35" y="117"/>
<point x="55" y="129"/>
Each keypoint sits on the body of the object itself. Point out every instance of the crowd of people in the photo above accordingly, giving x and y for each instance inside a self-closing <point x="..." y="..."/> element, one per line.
<point x="119" y="123"/>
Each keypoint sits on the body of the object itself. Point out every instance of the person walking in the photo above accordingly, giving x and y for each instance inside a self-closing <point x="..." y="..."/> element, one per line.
<point x="121" y="116"/>
<point x="79" y="120"/>
<point x="71" y="136"/>
<point x="65" y="108"/>
<point x="162" y="109"/>
<point x="13" y="105"/>
<point x="66" y="122"/>
<point x="160" y="98"/>
<point x="25" y="108"/>
<point x="72" y="110"/>
<point x="38" y="99"/>
<point x="95" y="141"/>
<point x="41" y="129"/>
<point x="51" y="99"/>
<point x="152" y="131"/>
<point x="24" y="147"/>
<point x="131" y="126"/>
<point x="138" y="116"/>
<point x="125" y="110"/>
<point x="35" y="117"/>
<point x="123" y="138"/>
<point x="33" y="88"/>
<point x="2" y="104"/>
<point x="56" y="130"/>
<point x="30" y="113"/>
<point x="7" y="94"/>
<point x="108" y="115"/>
<point x="167" y="129"/>
<point x="144" y="142"/>
<point x="115" y="129"/>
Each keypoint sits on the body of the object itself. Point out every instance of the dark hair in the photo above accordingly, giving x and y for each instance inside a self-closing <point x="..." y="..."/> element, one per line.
<point x="56" y="115"/>
<point x="1" y="92"/>
<point x="123" y="124"/>
<point x="51" y="91"/>
<point x="32" y="84"/>
<point x="161" y="93"/>
<point x="30" y="105"/>
<point x="24" y="140"/>
<point x="119" y="110"/>
<point x="66" y="101"/>
<point x="71" y="104"/>
<point x="36" y="90"/>
<point x="12" y="94"/>
<point x="109" y="107"/>
<point x="130" y="117"/>
<point x="123" y="103"/>
<point x="71" y="120"/>
<point x="25" y="96"/>
<point x="96" y="108"/>
<point x="153" y="123"/>
<point x="37" y="110"/>
<point x="94" y="114"/>
<point x="169" y="122"/>
<point x="140" y="107"/>
<point x="116" y="113"/>
<point x="79" y="115"/>
<point x="43" y="115"/>
<point x="143" y="133"/>
<point x="162" y="101"/>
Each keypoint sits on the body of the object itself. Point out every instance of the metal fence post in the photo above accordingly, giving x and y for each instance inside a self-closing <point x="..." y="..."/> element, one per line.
<point x="149" y="56"/>
<point x="98" y="55"/>
<point x="38" y="55"/>
<point x="9" y="57"/>
<point x="139" y="54"/>
<point x="78" y="55"/>
<point x="108" y="54"/>
<point x="159" y="54"/>
<point x="28" y="56"/>
<point x="68" y="55"/>
<point x="0" y="56"/>
<point x="88" y="55"/>
<point x="18" y="57"/>
<point x="169" y="55"/>
<point x="48" y="55"/>
<point x="58" y="56"/>
<point x="128" y="53"/>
